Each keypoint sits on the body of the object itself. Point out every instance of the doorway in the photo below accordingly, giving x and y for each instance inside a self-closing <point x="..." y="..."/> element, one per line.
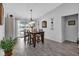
<point x="70" y="28"/>
<point x="20" y="26"/>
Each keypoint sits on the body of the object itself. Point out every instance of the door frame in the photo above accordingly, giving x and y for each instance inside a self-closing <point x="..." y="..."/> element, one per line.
<point x="63" y="29"/>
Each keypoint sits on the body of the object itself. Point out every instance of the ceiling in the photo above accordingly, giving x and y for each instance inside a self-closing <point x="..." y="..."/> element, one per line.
<point x="22" y="10"/>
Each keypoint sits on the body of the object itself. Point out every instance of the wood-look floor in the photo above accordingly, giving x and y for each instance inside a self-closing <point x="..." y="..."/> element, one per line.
<point x="50" y="48"/>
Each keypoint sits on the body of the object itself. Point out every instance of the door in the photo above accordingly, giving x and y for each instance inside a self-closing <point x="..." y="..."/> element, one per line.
<point x="71" y="28"/>
<point x="1" y="13"/>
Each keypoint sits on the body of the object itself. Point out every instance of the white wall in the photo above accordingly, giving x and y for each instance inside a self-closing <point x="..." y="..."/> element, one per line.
<point x="1" y="31"/>
<point x="62" y="10"/>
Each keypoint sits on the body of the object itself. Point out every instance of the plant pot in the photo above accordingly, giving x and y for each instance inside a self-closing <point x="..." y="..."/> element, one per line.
<point x="8" y="53"/>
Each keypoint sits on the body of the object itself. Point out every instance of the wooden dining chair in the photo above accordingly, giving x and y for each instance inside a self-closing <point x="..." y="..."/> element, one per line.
<point x="38" y="39"/>
<point x="39" y="36"/>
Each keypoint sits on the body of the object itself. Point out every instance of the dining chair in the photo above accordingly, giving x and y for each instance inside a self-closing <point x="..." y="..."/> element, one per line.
<point x="39" y="36"/>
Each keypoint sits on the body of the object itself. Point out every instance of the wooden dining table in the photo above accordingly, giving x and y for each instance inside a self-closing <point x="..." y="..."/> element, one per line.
<point x="34" y="37"/>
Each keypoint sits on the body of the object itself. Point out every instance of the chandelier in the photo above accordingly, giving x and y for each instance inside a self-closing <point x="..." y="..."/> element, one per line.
<point x="32" y="22"/>
<point x="31" y="15"/>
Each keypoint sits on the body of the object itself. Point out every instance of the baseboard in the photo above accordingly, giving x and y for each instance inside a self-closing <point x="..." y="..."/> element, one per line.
<point x="54" y="40"/>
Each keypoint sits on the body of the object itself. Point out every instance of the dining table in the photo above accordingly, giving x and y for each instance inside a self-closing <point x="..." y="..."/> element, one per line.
<point x="34" y="35"/>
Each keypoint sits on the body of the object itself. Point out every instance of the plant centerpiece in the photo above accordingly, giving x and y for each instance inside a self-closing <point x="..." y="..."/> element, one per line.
<point x="7" y="44"/>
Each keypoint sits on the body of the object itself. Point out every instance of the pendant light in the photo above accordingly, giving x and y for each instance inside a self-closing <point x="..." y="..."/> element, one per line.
<point x="31" y="15"/>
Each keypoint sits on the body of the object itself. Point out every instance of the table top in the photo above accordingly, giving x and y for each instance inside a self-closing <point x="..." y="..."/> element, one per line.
<point x="35" y="32"/>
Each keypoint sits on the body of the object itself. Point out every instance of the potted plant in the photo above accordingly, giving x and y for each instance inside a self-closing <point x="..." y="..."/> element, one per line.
<point x="7" y="44"/>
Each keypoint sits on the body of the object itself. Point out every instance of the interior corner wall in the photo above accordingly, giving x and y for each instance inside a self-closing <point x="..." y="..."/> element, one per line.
<point x="63" y="10"/>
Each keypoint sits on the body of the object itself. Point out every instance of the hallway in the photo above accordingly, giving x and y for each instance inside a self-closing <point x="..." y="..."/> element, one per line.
<point x="50" y="48"/>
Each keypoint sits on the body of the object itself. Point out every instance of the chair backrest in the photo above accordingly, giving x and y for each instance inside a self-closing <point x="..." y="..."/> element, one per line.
<point x="40" y="30"/>
<point x="34" y="30"/>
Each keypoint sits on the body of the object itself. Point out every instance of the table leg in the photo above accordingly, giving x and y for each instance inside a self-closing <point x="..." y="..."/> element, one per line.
<point x="42" y="38"/>
<point x="34" y="40"/>
<point x="29" y="39"/>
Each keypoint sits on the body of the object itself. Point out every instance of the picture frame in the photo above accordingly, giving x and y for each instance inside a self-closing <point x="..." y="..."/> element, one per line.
<point x="44" y="24"/>
<point x="71" y="22"/>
